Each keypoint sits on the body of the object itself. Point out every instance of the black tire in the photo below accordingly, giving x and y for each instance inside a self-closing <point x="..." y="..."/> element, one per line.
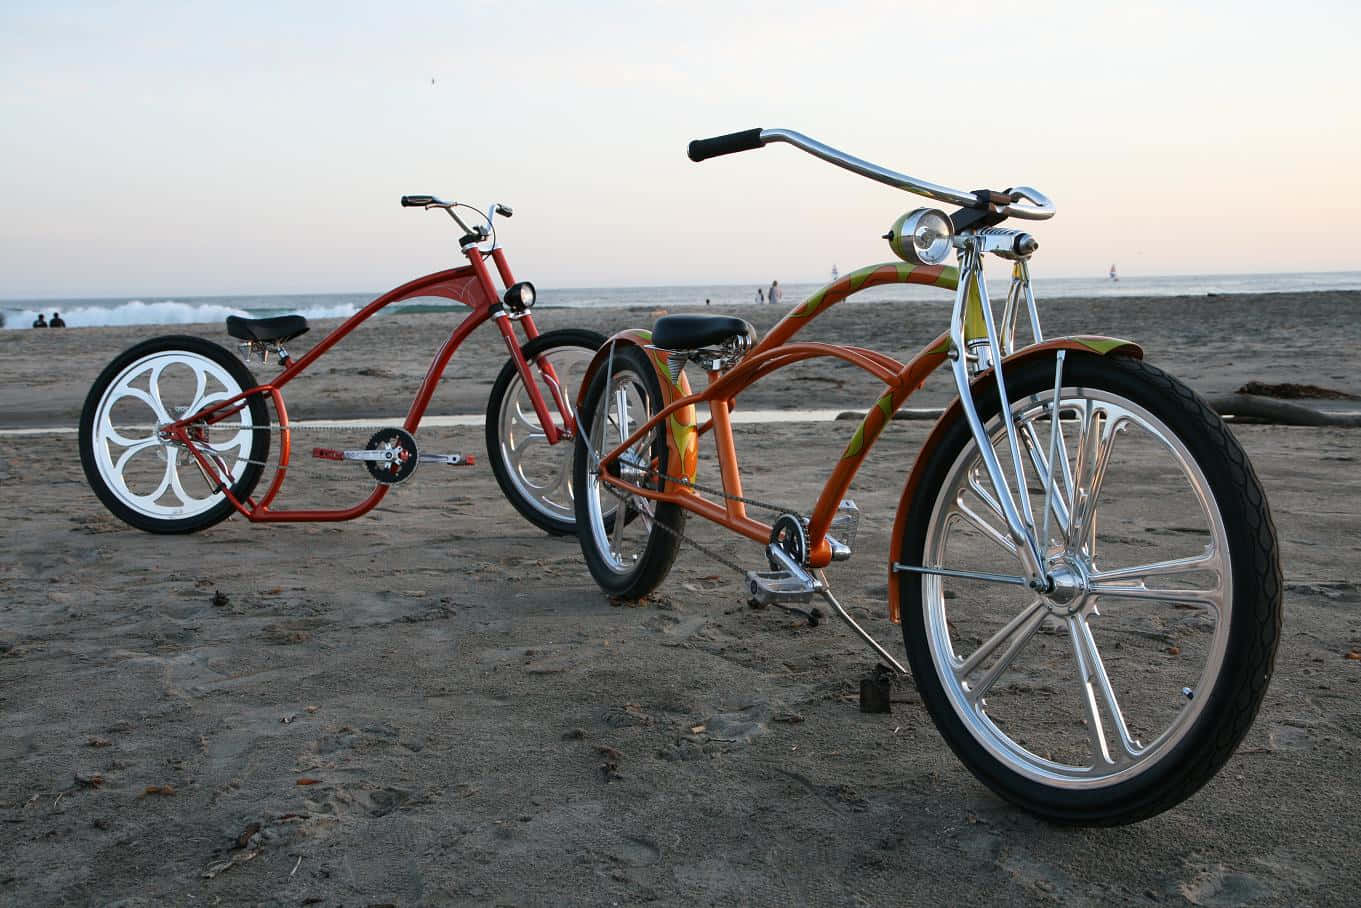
<point x="550" y="509"/>
<point x="1203" y="728"/>
<point x="656" y="536"/>
<point x="230" y="376"/>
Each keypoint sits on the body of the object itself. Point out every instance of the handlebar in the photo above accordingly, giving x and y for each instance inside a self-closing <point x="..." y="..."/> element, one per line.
<point x="1005" y="204"/>
<point x="733" y="142"/>
<point x="470" y="234"/>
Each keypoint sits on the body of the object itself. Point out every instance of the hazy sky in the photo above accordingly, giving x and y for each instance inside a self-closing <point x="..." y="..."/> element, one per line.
<point x="166" y="149"/>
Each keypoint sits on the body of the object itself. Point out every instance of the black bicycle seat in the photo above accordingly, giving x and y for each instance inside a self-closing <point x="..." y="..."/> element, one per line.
<point x="690" y="332"/>
<point x="279" y="328"/>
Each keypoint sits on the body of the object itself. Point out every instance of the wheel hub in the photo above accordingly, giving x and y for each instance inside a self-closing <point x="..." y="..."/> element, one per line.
<point x="1068" y="586"/>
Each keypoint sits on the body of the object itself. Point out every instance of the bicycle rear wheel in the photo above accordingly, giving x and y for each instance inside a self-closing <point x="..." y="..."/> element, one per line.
<point x="629" y="540"/>
<point x="1122" y="690"/>
<point x="151" y="482"/>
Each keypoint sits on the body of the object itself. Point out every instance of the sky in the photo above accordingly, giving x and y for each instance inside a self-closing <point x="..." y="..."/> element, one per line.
<point x="204" y="149"/>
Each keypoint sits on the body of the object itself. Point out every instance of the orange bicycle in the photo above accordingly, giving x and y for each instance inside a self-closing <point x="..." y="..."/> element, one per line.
<point x="1083" y="562"/>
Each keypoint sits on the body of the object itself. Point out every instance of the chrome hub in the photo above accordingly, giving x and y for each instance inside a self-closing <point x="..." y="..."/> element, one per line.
<point x="1067" y="588"/>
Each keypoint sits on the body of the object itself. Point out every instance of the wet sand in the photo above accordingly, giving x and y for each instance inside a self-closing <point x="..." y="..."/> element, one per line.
<point x="435" y="703"/>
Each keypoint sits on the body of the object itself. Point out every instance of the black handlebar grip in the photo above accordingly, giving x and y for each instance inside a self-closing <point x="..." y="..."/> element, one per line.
<point x="416" y="201"/>
<point x="733" y="142"/>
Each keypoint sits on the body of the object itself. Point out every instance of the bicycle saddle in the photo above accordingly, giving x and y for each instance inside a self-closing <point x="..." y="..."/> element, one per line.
<point x="690" y="332"/>
<point x="279" y="328"/>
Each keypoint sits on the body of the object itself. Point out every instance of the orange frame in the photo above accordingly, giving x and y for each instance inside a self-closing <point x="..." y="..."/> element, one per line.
<point x="773" y="353"/>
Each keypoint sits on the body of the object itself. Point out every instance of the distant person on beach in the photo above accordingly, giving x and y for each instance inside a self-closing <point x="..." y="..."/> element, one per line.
<point x="40" y="322"/>
<point x="57" y="321"/>
<point x="706" y="301"/>
<point x="775" y="294"/>
<point x="760" y="294"/>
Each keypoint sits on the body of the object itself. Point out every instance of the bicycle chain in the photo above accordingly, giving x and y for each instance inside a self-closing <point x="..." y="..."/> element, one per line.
<point x="623" y="497"/>
<point x="276" y="428"/>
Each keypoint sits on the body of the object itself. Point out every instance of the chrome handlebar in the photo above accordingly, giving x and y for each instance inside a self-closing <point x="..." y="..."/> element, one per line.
<point x="873" y="171"/>
<point x="1043" y="208"/>
<point x="1040" y="208"/>
<point x="429" y="201"/>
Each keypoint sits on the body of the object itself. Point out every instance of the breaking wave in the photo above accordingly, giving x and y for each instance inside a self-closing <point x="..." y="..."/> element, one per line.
<point x="164" y="312"/>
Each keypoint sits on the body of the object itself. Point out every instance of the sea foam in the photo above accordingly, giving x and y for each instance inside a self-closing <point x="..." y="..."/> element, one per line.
<point x="163" y="312"/>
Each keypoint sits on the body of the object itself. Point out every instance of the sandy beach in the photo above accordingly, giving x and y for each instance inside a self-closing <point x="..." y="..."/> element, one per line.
<point x="435" y="704"/>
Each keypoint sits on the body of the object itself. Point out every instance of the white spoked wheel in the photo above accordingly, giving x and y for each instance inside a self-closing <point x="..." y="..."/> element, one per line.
<point x="139" y="472"/>
<point x="534" y="474"/>
<point x="1118" y="690"/>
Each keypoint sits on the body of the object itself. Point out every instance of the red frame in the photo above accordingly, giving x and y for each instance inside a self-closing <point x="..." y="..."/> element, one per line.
<point x="470" y="285"/>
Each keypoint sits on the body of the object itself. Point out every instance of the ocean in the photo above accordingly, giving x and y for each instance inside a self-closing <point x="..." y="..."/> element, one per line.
<point x="176" y="310"/>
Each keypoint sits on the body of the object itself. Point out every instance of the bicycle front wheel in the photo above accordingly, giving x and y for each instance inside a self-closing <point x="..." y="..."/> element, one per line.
<point x="534" y="475"/>
<point x="1122" y="689"/>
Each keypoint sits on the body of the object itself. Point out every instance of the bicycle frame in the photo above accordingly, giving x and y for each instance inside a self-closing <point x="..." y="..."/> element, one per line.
<point x="772" y="353"/>
<point x="971" y="323"/>
<point x="470" y="285"/>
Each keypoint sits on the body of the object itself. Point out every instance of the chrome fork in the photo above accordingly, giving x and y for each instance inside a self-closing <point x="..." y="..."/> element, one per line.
<point x="1020" y="522"/>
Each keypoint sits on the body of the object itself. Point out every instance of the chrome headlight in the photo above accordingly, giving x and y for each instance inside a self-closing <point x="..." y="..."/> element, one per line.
<point x="520" y="297"/>
<point x="921" y="237"/>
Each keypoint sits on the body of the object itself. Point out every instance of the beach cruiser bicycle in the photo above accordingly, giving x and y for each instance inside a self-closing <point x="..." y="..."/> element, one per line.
<point x="175" y="433"/>
<point x="1083" y="562"/>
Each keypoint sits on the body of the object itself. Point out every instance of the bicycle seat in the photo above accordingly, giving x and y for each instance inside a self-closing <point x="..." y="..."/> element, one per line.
<point x="279" y="328"/>
<point x="690" y="332"/>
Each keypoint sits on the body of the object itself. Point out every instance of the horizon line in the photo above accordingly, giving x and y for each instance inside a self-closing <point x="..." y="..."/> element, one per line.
<point x="170" y="297"/>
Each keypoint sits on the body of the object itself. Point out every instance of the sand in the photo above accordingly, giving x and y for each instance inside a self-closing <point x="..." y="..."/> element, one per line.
<point x="435" y="704"/>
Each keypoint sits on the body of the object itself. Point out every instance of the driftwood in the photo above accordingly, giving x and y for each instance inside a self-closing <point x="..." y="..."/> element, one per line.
<point x="1293" y="391"/>
<point x="1242" y="407"/>
<point x="1247" y="407"/>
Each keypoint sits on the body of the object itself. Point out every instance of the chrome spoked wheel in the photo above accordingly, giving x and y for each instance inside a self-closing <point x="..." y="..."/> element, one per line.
<point x="629" y="540"/>
<point x="143" y="475"/>
<point x="539" y="473"/>
<point x="1052" y="683"/>
<point x="621" y="543"/>
<point x="1122" y="684"/>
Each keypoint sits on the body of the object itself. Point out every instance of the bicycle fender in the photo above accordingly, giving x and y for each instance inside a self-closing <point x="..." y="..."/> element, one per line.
<point x="682" y="437"/>
<point x="1103" y="346"/>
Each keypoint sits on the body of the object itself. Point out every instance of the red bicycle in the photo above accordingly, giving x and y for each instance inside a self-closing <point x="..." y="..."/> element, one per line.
<point x="175" y="432"/>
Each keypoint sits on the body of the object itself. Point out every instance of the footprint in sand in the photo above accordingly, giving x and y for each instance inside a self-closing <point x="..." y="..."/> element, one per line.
<point x="1219" y="885"/>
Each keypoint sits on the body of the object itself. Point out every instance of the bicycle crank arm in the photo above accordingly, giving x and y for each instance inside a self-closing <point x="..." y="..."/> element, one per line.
<point x="331" y="454"/>
<point x="453" y="460"/>
<point x="388" y="456"/>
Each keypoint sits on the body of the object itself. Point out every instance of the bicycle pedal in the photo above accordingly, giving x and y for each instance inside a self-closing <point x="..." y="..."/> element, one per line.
<point x="841" y="531"/>
<point x="453" y="460"/>
<point x="777" y="587"/>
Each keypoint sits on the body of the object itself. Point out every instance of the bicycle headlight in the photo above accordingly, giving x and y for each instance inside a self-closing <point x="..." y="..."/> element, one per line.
<point x="520" y="297"/>
<point x="921" y="237"/>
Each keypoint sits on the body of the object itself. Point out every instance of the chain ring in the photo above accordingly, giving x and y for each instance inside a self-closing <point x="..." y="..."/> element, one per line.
<point x="403" y="463"/>
<point x="789" y="534"/>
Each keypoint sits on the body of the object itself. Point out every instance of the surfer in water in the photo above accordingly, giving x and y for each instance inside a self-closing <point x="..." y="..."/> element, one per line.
<point x="1114" y="276"/>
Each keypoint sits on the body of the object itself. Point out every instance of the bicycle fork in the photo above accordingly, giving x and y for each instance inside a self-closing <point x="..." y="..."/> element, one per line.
<point x="975" y="342"/>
